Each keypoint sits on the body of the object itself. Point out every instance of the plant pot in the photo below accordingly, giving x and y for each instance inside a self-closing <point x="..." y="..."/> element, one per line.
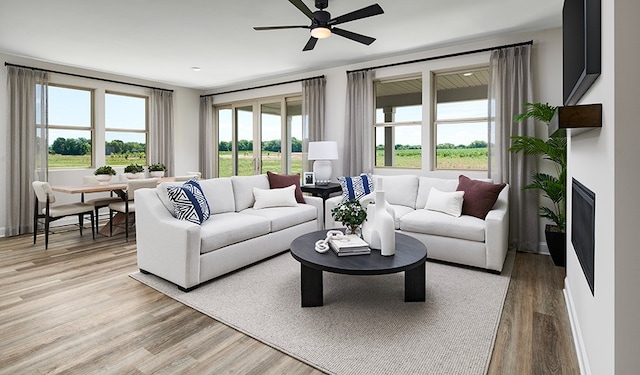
<point x="103" y="179"/>
<point x="156" y="174"/>
<point x="557" y="244"/>
<point x="132" y="176"/>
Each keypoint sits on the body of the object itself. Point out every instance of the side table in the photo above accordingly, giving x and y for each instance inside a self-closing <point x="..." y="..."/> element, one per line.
<point x="323" y="191"/>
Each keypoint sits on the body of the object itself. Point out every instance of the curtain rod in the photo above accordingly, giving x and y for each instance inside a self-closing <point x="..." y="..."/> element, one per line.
<point x="263" y="86"/>
<point x="82" y="76"/>
<point x="442" y="56"/>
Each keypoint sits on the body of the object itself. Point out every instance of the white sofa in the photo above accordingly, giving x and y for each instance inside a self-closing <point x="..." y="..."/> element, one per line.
<point x="464" y="240"/>
<point x="236" y="235"/>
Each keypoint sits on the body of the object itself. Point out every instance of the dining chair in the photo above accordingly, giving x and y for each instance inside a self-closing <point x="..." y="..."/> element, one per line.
<point x="100" y="202"/>
<point x="127" y="205"/>
<point x="44" y="195"/>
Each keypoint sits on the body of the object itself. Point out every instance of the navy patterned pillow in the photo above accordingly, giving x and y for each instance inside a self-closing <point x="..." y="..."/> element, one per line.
<point x="189" y="202"/>
<point x="355" y="187"/>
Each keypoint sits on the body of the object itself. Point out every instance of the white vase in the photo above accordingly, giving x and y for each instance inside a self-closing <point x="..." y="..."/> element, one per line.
<point x="132" y="176"/>
<point x="379" y="228"/>
<point x="156" y="174"/>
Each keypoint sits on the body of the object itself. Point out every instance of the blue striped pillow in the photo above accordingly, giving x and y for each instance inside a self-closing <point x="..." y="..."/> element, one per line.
<point x="189" y="202"/>
<point x="356" y="187"/>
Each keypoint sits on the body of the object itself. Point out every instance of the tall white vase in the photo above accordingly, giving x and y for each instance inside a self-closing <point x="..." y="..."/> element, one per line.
<point x="379" y="228"/>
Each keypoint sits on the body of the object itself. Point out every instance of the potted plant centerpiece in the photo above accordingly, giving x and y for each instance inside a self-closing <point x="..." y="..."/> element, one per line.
<point x="157" y="170"/>
<point x="104" y="173"/>
<point x="133" y="171"/>
<point x="553" y="187"/>
<point x="351" y="214"/>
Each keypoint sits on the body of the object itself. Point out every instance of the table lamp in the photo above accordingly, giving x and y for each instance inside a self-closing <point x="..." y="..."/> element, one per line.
<point x="322" y="152"/>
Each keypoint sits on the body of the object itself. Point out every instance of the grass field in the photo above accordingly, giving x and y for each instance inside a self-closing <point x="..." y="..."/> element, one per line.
<point x="467" y="159"/>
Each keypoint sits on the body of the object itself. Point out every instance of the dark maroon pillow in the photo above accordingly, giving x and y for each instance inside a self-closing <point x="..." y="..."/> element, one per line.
<point x="479" y="196"/>
<point x="277" y="181"/>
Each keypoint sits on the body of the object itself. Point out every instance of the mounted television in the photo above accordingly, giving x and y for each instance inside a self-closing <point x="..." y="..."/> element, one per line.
<point x="580" y="47"/>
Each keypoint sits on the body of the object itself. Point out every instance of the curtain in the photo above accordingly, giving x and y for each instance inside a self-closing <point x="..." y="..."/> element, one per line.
<point x="358" y="136"/>
<point x="313" y="92"/>
<point x="509" y="89"/>
<point x="161" y="129"/>
<point x="27" y="145"/>
<point x="206" y="141"/>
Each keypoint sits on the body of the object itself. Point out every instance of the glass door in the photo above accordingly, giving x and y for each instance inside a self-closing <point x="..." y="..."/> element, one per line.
<point x="271" y="137"/>
<point x="246" y="162"/>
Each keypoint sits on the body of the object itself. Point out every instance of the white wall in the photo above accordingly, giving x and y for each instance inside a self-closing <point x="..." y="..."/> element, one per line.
<point x="606" y="161"/>
<point x="186" y="117"/>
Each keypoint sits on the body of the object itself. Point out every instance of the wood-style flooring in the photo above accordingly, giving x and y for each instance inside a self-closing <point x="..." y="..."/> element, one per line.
<point x="73" y="309"/>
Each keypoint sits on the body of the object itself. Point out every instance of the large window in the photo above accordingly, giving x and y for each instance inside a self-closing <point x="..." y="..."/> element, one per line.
<point x="125" y="129"/>
<point x="274" y="124"/>
<point x="461" y="120"/>
<point x="398" y="123"/>
<point x="70" y="118"/>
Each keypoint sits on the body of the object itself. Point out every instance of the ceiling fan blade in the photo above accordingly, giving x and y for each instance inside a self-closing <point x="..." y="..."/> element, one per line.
<point x="310" y="44"/>
<point x="353" y="36"/>
<point x="303" y="8"/>
<point x="371" y="10"/>
<point x="260" y="28"/>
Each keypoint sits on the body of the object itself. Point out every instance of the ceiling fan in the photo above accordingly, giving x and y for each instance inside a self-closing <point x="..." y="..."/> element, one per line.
<point x="322" y="25"/>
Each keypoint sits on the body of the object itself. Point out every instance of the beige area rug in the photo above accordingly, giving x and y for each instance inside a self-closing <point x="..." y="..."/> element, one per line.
<point x="364" y="327"/>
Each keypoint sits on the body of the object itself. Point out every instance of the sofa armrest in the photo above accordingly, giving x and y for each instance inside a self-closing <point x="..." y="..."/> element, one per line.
<point x="317" y="203"/>
<point x="497" y="232"/>
<point x="329" y="205"/>
<point x="166" y="246"/>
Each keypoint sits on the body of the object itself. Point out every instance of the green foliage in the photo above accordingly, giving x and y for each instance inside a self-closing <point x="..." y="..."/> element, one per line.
<point x="105" y="169"/>
<point x="350" y="213"/>
<point x="553" y="149"/>
<point x="157" y="167"/>
<point x="134" y="168"/>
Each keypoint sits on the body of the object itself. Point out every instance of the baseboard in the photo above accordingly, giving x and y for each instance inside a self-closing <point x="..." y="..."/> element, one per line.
<point x="581" y="352"/>
<point x="2" y="232"/>
<point x="542" y="248"/>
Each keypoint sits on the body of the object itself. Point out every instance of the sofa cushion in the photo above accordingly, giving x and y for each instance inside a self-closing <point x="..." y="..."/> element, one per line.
<point x="243" y="189"/>
<point x="449" y="203"/>
<point x="399" y="211"/>
<point x="219" y="193"/>
<point x="277" y="181"/>
<point x="401" y="190"/>
<point x="283" y="197"/>
<point x="355" y="187"/>
<point x="440" y="224"/>
<point x="479" y="196"/>
<point x="228" y="228"/>
<point x="189" y="202"/>
<point x="285" y="217"/>
<point x="426" y="183"/>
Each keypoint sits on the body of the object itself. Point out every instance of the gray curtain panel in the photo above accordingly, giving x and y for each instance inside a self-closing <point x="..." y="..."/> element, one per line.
<point x="161" y="129"/>
<point x="358" y="137"/>
<point x="509" y="88"/>
<point x="27" y="145"/>
<point x="313" y="92"/>
<point x="207" y="138"/>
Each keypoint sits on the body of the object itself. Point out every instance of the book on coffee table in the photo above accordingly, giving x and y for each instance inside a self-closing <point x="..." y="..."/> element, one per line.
<point x="349" y="245"/>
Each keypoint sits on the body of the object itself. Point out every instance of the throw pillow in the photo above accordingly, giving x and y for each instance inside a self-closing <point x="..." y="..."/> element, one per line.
<point x="189" y="202"/>
<point x="283" y="197"/>
<point x="446" y="202"/>
<point x="479" y="196"/>
<point x="355" y="187"/>
<point x="277" y="181"/>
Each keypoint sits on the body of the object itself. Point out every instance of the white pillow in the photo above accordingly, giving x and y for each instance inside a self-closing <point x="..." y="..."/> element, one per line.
<point x="447" y="202"/>
<point x="284" y="197"/>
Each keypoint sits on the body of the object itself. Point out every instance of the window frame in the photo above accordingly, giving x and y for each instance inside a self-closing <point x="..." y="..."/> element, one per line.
<point x="123" y="130"/>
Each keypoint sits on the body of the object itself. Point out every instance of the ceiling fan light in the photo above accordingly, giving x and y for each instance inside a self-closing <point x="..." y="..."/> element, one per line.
<point x="320" y="32"/>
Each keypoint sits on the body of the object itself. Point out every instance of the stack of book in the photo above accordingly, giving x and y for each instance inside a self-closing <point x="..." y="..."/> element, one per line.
<point x="350" y="244"/>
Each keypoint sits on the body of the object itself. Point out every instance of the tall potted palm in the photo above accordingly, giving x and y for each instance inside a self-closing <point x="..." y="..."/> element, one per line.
<point x="553" y="187"/>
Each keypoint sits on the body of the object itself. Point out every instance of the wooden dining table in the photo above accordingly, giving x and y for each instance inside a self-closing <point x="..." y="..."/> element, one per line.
<point x="119" y="188"/>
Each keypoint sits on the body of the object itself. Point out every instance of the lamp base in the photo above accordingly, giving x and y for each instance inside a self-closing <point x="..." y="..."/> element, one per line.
<point x="322" y="171"/>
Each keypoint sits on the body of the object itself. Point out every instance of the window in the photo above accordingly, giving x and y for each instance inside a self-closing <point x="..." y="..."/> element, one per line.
<point x="70" y="127"/>
<point x="274" y="124"/>
<point x="461" y="120"/>
<point x="398" y="123"/>
<point x="125" y="129"/>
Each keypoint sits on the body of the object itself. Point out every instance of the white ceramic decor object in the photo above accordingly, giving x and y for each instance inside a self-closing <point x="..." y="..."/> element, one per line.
<point x="372" y="227"/>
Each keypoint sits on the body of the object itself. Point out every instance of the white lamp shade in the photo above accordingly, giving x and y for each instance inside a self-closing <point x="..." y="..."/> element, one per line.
<point x="324" y="150"/>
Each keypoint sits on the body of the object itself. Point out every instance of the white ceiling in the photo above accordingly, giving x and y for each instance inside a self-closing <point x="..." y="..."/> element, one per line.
<point x="160" y="40"/>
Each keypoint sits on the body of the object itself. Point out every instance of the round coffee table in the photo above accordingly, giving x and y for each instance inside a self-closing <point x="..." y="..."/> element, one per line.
<point x="410" y="257"/>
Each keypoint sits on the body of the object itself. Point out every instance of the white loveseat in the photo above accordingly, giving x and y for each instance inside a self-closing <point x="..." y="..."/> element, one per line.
<point x="464" y="240"/>
<point x="236" y="234"/>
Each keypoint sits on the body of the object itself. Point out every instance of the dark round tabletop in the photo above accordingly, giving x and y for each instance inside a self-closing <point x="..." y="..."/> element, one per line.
<point x="410" y="253"/>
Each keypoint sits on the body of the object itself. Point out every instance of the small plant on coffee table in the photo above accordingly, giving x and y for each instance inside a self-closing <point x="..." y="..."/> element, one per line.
<point x="350" y="213"/>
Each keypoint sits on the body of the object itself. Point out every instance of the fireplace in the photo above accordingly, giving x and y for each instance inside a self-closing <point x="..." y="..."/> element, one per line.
<point x="583" y="217"/>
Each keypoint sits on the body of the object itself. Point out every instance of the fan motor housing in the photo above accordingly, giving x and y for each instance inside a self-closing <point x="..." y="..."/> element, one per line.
<point x="321" y="4"/>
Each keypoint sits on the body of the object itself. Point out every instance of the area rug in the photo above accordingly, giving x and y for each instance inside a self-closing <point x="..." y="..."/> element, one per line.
<point x="364" y="327"/>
